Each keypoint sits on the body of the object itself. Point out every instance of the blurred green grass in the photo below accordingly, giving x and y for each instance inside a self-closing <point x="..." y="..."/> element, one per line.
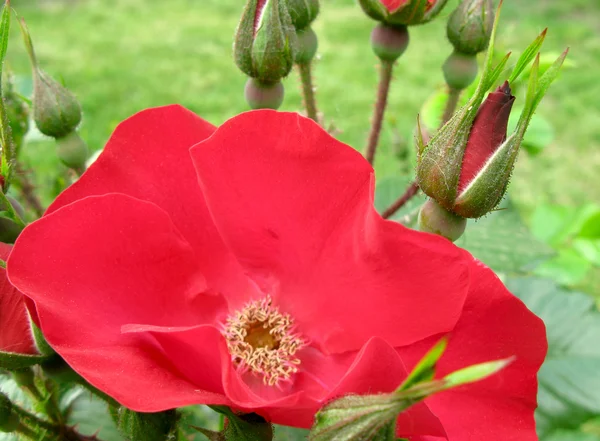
<point x="122" y="56"/>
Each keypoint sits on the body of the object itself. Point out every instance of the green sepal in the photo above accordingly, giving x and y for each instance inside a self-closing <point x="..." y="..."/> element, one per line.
<point x="425" y="368"/>
<point x="40" y="341"/>
<point x="244" y="36"/>
<point x="487" y="188"/>
<point x="274" y="45"/>
<point x="358" y="418"/>
<point x="137" y="426"/>
<point x="12" y="361"/>
<point x="414" y="12"/>
<point x="303" y="12"/>
<point x="527" y="56"/>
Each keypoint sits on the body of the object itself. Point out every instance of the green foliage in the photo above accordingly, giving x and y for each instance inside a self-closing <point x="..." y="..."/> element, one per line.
<point x="569" y="380"/>
<point x="575" y="234"/>
<point x="503" y="242"/>
<point x="388" y="190"/>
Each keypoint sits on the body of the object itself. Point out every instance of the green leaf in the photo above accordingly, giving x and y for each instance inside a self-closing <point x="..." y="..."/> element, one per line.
<point x="503" y="242"/>
<point x="4" y="33"/>
<point x="90" y="414"/>
<point x="389" y="189"/>
<point x="568" y="268"/>
<point x="569" y="380"/>
<point x="527" y="56"/>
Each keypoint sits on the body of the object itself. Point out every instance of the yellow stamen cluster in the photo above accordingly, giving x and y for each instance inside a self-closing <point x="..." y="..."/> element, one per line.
<point x="262" y="339"/>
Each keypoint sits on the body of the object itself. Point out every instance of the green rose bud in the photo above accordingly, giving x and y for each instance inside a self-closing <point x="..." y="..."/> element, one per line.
<point x="265" y="42"/>
<point x="470" y="26"/>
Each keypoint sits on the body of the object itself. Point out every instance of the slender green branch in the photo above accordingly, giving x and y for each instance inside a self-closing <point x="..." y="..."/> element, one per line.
<point x="308" y="90"/>
<point x="451" y="104"/>
<point x="385" y="78"/>
<point x="409" y="193"/>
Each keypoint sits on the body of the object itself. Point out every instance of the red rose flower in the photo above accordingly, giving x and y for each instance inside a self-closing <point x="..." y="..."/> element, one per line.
<point x="15" y="330"/>
<point x="257" y="274"/>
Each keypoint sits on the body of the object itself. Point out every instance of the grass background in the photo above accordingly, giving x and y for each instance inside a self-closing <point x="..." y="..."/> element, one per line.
<point x="121" y="56"/>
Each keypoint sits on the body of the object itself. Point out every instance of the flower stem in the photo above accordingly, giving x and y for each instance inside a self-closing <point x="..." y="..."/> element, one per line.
<point x="308" y="90"/>
<point x="453" y="96"/>
<point x="28" y="191"/>
<point x="385" y="78"/>
<point x="411" y="191"/>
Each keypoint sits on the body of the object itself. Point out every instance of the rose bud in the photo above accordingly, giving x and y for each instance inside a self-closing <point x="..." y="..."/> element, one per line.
<point x="303" y="12"/>
<point x="402" y="12"/>
<point x="56" y="111"/>
<point x="450" y="169"/>
<point x="470" y="26"/>
<point x="265" y="42"/>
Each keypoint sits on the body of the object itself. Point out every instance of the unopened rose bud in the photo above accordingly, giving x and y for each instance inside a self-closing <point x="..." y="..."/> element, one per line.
<point x="402" y="12"/>
<point x="455" y="169"/>
<point x="389" y="42"/>
<point x="470" y="26"/>
<point x="56" y="111"/>
<point x="303" y="12"/>
<point x="265" y="41"/>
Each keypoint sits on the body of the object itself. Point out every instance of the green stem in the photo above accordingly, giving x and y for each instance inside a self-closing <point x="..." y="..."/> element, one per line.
<point x="308" y="90"/>
<point x="28" y="191"/>
<point x="451" y="104"/>
<point x="385" y="78"/>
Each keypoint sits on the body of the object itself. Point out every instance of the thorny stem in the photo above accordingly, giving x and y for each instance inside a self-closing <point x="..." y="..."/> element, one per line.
<point x="411" y="191"/>
<point x="28" y="191"/>
<point x="385" y="78"/>
<point x="308" y="90"/>
<point x="453" y="96"/>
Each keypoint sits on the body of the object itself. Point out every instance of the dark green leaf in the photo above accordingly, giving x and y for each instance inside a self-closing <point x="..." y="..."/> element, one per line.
<point x="91" y="415"/>
<point x="503" y="242"/>
<point x="570" y="378"/>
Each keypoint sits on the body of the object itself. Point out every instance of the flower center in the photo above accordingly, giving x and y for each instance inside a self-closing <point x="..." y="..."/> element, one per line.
<point x="262" y="340"/>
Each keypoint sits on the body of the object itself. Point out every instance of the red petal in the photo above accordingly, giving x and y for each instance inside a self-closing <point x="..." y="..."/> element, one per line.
<point x="15" y="331"/>
<point x="147" y="157"/>
<point x="103" y="262"/>
<point x="494" y="325"/>
<point x="296" y="208"/>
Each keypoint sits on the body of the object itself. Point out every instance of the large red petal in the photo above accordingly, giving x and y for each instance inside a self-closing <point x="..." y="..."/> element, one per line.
<point x="103" y="262"/>
<point x="15" y="331"/>
<point x="296" y="208"/>
<point x="494" y="325"/>
<point x="147" y="157"/>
